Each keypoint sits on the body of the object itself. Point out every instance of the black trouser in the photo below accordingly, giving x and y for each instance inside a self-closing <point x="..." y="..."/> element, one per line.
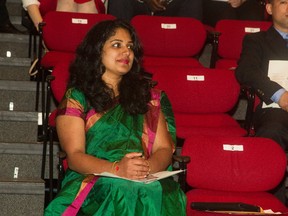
<point x="4" y="16"/>
<point x="126" y="9"/>
<point x="213" y="11"/>
<point x="273" y="123"/>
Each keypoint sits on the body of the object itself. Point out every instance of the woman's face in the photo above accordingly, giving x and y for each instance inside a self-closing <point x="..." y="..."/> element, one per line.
<point x="118" y="55"/>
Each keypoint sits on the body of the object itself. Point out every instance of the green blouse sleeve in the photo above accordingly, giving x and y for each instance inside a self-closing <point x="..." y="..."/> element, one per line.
<point x="73" y="104"/>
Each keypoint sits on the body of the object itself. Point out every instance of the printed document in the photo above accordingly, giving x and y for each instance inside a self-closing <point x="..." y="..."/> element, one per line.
<point x="278" y="72"/>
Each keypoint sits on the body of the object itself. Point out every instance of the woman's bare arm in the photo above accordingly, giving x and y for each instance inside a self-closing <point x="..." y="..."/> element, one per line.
<point x="162" y="148"/>
<point x="71" y="132"/>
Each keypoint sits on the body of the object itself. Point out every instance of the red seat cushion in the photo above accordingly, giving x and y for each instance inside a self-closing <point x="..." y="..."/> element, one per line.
<point x="52" y="58"/>
<point x="152" y="61"/>
<point x="261" y="199"/>
<point x="207" y="125"/>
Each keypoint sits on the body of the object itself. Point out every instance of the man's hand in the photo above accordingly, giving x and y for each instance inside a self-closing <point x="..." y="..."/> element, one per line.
<point x="283" y="102"/>
<point x="236" y="3"/>
<point x="156" y="5"/>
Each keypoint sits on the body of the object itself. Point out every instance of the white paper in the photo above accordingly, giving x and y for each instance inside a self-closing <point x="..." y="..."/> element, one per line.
<point x="278" y="72"/>
<point x="150" y="178"/>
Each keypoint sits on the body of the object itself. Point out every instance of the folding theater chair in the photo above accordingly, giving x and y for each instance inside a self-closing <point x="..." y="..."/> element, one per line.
<point x="45" y="7"/>
<point x="170" y="40"/>
<point x="201" y="99"/>
<point x="61" y="32"/>
<point x="56" y="88"/>
<point x="228" y="38"/>
<point x="233" y="170"/>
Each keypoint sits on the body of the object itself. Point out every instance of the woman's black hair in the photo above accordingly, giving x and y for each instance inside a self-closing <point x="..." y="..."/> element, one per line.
<point x="87" y="69"/>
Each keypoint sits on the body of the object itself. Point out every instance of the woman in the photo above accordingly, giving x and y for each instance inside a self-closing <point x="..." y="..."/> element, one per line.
<point x="110" y="120"/>
<point x="37" y="9"/>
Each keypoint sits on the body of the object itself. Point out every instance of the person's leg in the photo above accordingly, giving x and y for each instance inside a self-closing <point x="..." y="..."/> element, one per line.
<point x="251" y="10"/>
<point x="66" y="5"/>
<point x="273" y="124"/>
<point x="213" y="11"/>
<point x="183" y="8"/>
<point x="4" y="16"/>
<point x="127" y="9"/>
<point x="87" y="7"/>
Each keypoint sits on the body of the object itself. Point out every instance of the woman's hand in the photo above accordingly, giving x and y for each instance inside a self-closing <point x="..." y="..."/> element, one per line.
<point x="236" y="3"/>
<point x="132" y="166"/>
<point x="156" y="5"/>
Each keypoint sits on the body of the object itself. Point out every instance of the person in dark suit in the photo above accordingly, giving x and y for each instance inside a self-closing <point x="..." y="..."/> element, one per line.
<point x="127" y="9"/>
<point x="258" y="50"/>
<point x="5" y="23"/>
<point x="215" y="10"/>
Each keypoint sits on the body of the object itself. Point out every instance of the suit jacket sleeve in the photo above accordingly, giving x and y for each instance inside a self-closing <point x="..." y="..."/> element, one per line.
<point x="253" y="65"/>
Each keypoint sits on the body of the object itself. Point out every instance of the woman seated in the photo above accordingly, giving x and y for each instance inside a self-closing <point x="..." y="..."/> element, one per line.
<point x="111" y="120"/>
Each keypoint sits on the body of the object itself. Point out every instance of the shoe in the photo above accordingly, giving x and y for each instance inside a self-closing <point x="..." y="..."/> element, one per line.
<point x="9" y="28"/>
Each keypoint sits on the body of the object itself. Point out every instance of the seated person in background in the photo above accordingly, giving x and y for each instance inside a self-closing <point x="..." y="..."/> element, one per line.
<point x="257" y="52"/>
<point x="81" y="6"/>
<point x="111" y="120"/>
<point x="215" y="10"/>
<point x="127" y="9"/>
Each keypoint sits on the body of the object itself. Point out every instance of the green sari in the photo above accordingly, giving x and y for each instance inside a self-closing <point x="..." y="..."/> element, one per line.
<point x="110" y="136"/>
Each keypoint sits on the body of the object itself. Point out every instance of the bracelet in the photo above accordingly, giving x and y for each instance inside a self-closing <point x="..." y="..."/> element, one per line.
<point x="115" y="167"/>
<point x="149" y="167"/>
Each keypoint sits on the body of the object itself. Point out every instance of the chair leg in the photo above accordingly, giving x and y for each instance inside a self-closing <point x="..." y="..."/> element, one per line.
<point x="61" y="168"/>
<point x="50" y="164"/>
<point x="44" y="153"/>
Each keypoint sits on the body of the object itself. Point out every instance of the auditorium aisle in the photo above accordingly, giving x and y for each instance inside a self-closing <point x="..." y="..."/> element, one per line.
<point x="22" y="191"/>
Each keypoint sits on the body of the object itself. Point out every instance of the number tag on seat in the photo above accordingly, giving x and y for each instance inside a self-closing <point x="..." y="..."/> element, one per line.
<point x="228" y="147"/>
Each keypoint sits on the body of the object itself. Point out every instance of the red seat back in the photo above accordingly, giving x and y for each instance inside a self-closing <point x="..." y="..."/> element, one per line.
<point x="198" y="90"/>
<point x="59" y="84"/>
<point x="64" y="31"/>
<point x="170" y="36"/>
<point x="231" y="36"/>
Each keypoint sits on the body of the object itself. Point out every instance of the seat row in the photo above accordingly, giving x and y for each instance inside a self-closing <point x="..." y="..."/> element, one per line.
<point x="221" y="164"/>
<point x="168" y="40"/>
<point x="201" y="99"/>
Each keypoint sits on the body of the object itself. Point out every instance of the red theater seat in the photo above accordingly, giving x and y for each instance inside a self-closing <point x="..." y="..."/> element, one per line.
<point x="234" y="169"/>
<point x="228" y="40"/>
<point x="201" y="99"/>
<point x="170" y="40"/>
